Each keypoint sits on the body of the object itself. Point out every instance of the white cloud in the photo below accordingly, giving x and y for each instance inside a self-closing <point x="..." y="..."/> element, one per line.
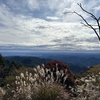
<point x="97" y="8"/>
<point x="32" y="4"/>
<point x="69" y="34"/>
<point x="52" y="18"/>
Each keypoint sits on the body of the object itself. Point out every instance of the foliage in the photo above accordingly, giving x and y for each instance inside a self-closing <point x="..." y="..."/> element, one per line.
<point x="15" y="72"/>
<point x="93" y="69"/>
<point x="35" y="83"/>
<point x="2" y="61"/>
<point x="46" y="82"/>
<point x="48" y="92"/>
<point x="28" y="61"/>
<point x="3" y="67"/>
<point x="6" y="68"/>
<point x="25" y="88"/>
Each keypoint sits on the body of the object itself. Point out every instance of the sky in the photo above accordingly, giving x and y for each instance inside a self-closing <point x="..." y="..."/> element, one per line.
<point x="45" y="25"/>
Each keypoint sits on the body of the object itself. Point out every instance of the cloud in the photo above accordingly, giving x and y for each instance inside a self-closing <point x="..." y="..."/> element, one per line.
<point x="22" y="6"/>
<point x="32" y="4"/>
<point x="50" y="18"/>
<point x="41" y="25"/>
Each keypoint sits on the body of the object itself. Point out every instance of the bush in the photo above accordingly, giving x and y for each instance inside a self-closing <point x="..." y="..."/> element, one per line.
<point x="25" y="88"/>
<point x="48" y="92"/>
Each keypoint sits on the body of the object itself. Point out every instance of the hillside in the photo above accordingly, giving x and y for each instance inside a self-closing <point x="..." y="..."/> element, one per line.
<point x="78" y="62"/>
<point x="93" y="69"/>
<point x="34" y="61"/>
<point x="87" y="85"/>
<point x="85" y="60"/>
<point x="28" y="61"/>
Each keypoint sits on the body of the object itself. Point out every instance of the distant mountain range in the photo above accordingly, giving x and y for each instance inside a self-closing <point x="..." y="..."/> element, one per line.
<point x="82" y="59"/>
<point x="34" y="61"/>
<point x="78" y="62"/>
<point x="28" y="61"/>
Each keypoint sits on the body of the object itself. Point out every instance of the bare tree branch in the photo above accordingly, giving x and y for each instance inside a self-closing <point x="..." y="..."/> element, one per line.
<point x="89" y="26"/>
<point x="87" y="23"/>
<point x="87" y="12"/>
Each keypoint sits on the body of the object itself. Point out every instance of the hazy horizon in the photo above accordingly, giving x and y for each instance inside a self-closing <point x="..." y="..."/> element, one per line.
<point x="38" y="53"/>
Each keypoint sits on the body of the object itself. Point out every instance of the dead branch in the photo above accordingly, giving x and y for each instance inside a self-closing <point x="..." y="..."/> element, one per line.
<point x="87" y="23"/>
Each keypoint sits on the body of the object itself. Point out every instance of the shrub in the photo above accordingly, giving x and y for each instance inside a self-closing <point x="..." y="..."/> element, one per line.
<point x="41" y="83"/>
<point x="48" y="92"/>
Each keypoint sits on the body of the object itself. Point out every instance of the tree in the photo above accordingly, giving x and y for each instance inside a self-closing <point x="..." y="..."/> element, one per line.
<point x="95" y="28"/>
<point x="2" y="60"/>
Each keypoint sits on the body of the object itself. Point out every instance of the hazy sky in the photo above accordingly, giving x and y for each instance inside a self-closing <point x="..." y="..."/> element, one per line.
<point x="42" y="25"/>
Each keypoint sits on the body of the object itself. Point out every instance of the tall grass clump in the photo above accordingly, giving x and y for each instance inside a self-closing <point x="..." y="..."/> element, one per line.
<point x="48" y="92"/>
<point x="47" y="82"/>
<point x="27" y="87"/>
